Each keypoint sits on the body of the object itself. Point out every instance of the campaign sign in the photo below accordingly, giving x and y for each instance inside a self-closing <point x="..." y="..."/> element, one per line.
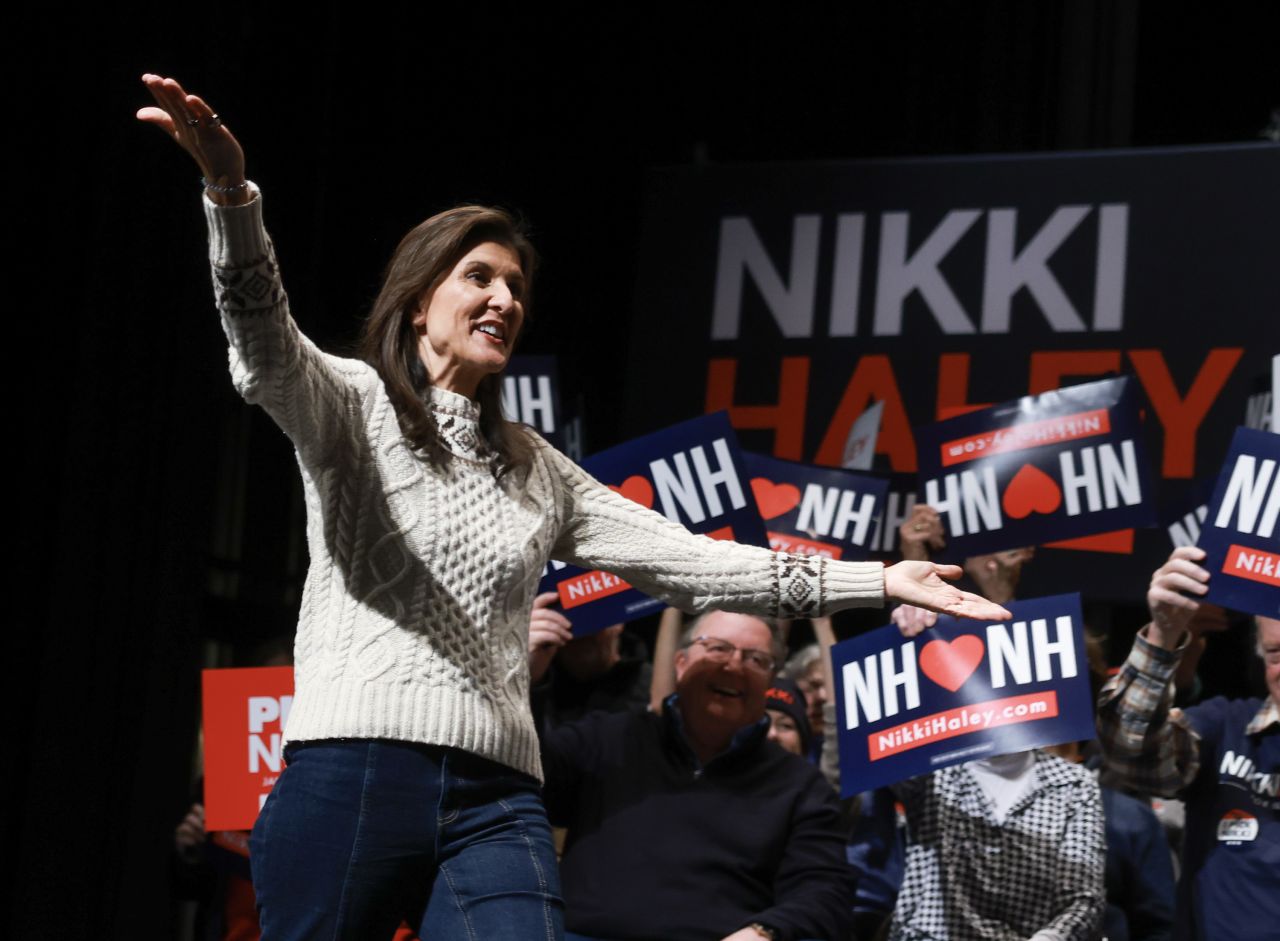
<point x="244" y="715"/>
<point x="961" y="690"/>
<point x="1242" y="548"/>
<point x="899" y="501"/>
<point x="811" y="510"/>
<point x="693" y="474"/>
<point x="1042" y="468"/>
<point x="1184" y="519"/>
<point x="531" y="395"/>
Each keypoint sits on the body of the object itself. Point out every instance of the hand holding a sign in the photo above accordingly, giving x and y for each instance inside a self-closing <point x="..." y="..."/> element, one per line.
<point x="549" y="630"/>
<point x="192" y="125"/>
<point x="1171" y="610"/>
<point x="189" y="836"/>
<point x="921" y="533"/>
<point x="923" y="585"/>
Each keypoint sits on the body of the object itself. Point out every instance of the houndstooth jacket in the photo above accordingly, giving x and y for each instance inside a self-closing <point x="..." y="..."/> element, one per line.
<point x="1038" y="873"/>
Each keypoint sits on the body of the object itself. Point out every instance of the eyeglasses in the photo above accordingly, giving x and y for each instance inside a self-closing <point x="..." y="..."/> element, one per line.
<point x="721" y="651"/>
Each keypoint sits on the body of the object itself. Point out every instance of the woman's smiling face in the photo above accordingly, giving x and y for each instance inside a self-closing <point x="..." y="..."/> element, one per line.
<point x="467" y="324"/>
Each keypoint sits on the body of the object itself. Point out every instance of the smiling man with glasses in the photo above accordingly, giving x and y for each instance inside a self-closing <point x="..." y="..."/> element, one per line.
<point x="692" y="824"/>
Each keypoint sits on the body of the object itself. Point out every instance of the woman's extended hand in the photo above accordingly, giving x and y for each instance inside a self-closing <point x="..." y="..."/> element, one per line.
<point x="922" y="584"/>
<point x="191" y="123"/>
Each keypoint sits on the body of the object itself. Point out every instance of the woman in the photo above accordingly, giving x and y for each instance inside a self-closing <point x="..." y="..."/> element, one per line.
<point x="412" y="784"/>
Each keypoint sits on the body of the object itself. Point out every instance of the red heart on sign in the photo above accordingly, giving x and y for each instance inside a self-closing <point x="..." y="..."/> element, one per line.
<point x="950" y="664"/>
<point x="1031" y="491"/>
<point x="774" y="499"/>
<point x="638" y="489"/>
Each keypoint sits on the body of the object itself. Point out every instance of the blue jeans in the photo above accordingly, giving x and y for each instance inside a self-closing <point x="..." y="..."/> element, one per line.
<point x="358" y="836"/>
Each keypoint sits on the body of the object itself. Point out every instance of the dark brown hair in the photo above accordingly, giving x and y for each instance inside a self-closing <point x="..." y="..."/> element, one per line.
<point x="389" y="341"/>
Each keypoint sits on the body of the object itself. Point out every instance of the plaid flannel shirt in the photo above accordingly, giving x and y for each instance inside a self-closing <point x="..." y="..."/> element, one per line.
<point x="1151" y="748"/>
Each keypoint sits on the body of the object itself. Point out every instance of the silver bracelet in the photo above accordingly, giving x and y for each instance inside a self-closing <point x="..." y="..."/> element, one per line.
<point x="224" y="190"/>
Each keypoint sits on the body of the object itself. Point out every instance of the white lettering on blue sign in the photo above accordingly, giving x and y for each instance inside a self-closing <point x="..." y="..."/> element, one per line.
<point x="1105" y="478"/>
<point x="828" y="511"/>
<point x="1186" y="531"/>
<point x="1022" y="652"/>
<point x="874" y="685"/>
<point x="1242" y="768"/>
<point x="1257" y="411"/>
<point x="1243" y="503"/>
<point x="897" y="510"/>
<point x="528" y="399"/>
<point x="695" y="490"/>
<point x="971" y="503"/>
<point x="1011" y="654"/>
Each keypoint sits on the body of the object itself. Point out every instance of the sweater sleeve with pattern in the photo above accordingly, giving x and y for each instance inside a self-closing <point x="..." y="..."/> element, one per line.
<point x="311" y="395"/>
<point x="603" y="529"/>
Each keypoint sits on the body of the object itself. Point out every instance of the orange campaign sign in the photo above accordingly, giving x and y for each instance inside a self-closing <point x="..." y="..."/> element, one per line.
<point x="244" y="715"/>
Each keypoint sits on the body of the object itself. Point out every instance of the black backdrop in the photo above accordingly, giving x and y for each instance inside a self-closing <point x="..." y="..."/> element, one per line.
<point x="156" y="512"/>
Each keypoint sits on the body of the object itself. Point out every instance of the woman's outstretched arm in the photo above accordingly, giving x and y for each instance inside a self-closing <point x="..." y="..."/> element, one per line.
<point x="310" y="395"/>
<point x="603" y="529"/>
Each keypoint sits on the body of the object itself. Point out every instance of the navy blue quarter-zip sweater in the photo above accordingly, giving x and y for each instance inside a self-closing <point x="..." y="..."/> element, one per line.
<point x="661" y="847"/>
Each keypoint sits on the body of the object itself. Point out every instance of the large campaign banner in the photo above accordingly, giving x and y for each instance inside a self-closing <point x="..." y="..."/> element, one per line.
<point x="959" y="691"/>
<point x="693" y="474"/>
<point x="244" y="715"/>
<point x="1040" y="469"/>
<point x="810" y="510"/>
<point x="1239" y="533"/>
<point x="795" y="295"/>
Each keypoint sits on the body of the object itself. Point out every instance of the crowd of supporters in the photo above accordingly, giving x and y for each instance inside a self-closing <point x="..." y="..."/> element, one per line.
<point x="696" y="788"/>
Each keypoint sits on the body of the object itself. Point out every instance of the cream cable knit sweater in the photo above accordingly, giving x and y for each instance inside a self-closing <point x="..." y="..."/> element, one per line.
<point x="415" y="612"/>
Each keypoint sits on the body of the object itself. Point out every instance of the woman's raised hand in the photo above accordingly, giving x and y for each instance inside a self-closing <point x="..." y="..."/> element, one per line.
<point x="924" y="585"/>
<point x="192" y="124"/>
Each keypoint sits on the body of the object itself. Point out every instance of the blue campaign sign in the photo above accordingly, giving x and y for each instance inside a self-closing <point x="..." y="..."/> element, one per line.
<point x="1039" y="469"/>
<point x="693" y="474"/>
<point x="531" y="395"/>
<point x="899" y="501"/>
<point x="1242" y="549"/>
<point x="959" y="691"/>
<point x="1182" y="520"/>
<point x="810" y="510"/>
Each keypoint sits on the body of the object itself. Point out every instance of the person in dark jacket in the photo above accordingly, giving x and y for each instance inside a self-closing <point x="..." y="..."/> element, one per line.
<point x="691" y="825"/>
